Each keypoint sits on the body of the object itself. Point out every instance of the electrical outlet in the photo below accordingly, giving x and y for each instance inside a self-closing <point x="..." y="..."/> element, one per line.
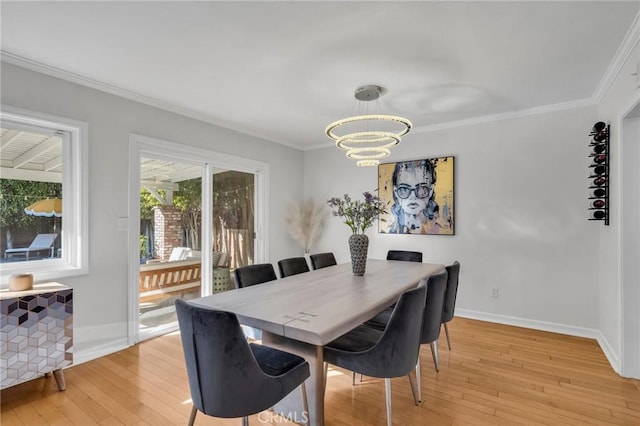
<point x="494" y="292"/>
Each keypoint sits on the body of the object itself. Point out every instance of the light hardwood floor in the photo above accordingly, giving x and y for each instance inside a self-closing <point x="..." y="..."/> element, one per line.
<point x="495" y="375"/>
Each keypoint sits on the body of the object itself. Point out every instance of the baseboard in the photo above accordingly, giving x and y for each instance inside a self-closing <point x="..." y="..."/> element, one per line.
<point x="95" y="352"/>
<point x="609" y="352"/>
<point x="552" y="327"/>
<point x="86" y="347"/>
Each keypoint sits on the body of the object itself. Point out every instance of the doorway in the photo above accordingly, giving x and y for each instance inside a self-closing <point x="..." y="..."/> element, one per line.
<point x="170" y="246"/>
<point x="630" y="237"/>
<point x="194" y="215"/>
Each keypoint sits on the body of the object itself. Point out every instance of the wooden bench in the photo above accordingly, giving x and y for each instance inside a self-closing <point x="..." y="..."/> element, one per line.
<point x="161" y="278"/>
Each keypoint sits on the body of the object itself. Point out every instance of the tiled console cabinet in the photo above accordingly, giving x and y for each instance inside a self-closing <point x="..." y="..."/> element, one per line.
<point x="36" y="334"/>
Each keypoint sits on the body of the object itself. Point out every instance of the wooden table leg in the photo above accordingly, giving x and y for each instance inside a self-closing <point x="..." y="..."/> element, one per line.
<point x="58" y="374"/>
<point x="291" y="405"/>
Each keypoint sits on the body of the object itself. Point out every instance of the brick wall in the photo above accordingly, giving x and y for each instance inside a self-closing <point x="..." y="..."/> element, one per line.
<point x="167" y="230"/>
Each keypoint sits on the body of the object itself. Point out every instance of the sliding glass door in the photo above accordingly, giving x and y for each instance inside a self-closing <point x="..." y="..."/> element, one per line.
<point x="233" y="216"/>
<point x="233" y="225"/>
<point x="170" y="243"/>
<point x="194" y="217"/>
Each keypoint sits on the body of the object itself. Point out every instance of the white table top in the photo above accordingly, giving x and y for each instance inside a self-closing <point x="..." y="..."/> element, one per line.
<point x="317" y="307"/>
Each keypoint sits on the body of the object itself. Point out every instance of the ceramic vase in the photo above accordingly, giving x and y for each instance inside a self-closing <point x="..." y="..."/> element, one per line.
<point x="358" y="246"/>
<point x="21" y="282"/>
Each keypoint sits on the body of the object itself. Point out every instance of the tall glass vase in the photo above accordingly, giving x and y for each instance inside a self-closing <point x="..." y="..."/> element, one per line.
<point x="358" y="246"/>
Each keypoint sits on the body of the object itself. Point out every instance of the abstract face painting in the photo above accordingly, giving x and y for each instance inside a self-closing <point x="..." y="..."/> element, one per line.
<point x="420" y="196"/>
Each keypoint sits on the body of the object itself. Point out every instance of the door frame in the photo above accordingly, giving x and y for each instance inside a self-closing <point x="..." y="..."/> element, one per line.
<point x="629" y="240"/>
<point x="141" y="146"/>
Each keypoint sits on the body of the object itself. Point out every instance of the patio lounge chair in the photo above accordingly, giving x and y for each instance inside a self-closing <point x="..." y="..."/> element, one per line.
<point x="41" y="242"/>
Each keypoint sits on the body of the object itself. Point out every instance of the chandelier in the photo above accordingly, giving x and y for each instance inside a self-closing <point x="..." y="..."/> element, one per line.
<point x="368" y="137"/>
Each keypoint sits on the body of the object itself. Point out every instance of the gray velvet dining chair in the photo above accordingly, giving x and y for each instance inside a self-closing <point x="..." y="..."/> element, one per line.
<point x="246" y="276"/>
<point x="292" y="266"/>
<point x="388" y="353"/>
<point x="380" y="320"/>
<point x="430" y="319"/>
<point x="229" y="377"/>
<point x="322" y="260"/>
<point x="249" y="275"/>
<point x="408" y="256"/>
<point x="453" y="275"/>
<point x="436" y="287"/>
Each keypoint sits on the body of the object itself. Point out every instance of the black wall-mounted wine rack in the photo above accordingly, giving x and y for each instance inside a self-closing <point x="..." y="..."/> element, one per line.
<point x="599" y="173"/>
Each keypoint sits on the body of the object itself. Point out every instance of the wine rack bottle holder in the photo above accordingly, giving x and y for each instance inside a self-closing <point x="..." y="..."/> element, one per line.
<point x="599" y="173"/>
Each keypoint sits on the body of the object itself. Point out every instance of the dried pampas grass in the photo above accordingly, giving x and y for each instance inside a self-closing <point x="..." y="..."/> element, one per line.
<point x="305" y="221"/>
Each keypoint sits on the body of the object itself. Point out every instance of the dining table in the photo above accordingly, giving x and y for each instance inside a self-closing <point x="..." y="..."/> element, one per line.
<point x="302" y="313"/>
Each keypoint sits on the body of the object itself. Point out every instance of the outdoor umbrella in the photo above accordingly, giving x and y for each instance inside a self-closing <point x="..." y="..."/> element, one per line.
<point x="49" y="207"/>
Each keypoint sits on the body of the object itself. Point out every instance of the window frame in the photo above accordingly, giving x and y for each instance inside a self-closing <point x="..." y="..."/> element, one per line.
<point x="75" y="220"/>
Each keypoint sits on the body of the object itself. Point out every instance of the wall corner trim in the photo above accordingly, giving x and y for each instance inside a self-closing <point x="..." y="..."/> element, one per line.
<point x="622" y="54"/>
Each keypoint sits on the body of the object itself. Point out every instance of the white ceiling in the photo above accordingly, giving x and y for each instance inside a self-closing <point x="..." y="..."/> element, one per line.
<point x="284" y="70"/>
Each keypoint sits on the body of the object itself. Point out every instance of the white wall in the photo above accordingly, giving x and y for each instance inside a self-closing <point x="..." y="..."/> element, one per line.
<point x="520" y="214"/>
<point x="521" y="225"/>
<point x="521" y="205"/>
<point x="619" y="99"/>
<point x="100" y="298"/>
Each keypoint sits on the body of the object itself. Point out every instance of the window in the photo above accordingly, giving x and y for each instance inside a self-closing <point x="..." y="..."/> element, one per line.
<point x="43" y="194"/>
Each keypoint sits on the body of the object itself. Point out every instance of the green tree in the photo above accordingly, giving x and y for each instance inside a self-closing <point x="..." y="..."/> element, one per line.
<point x="15" y="195"/>
<point x="147" y="203"/>
<point x="189" y="201"/>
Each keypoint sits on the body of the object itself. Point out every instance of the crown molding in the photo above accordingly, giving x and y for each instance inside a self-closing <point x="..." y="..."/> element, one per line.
<point x="579" y="103"/>
<point x="29" y="64"/>
<point x="622" y="54"/>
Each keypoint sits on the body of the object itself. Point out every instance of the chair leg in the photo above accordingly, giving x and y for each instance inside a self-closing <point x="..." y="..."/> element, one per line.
<point x="326" y="368"/>
<point x="192" y="417"/>
<point x="413" y="389"/>
<point x="387" y="391"/>
<point x="446" y="331"/>
<point x="434" y="352"/>
<point x="245" y="421"/>
<point x="305" y="404"/>
<point x="353" y="378"/>
<point x="419" y="380"/>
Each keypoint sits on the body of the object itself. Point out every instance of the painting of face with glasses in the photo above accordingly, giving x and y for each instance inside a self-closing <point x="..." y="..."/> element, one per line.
<point x="420" y="193"/>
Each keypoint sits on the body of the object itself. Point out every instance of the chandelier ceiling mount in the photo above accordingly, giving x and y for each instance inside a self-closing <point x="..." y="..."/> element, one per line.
<point x="368" y="137"/>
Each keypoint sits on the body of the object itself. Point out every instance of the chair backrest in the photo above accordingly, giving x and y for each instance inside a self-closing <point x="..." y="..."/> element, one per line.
<point x="436" y="287"/>
<point x="221" y="368"/>
<point x="409" y="256"/>
<point x="43" y="241"/>
<point x="322" y="260"/>
<point x="396" y="353"/>
<point x="246" y="276"/>
<point x="292" y="266"/>
<point x="453" y="272"/>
